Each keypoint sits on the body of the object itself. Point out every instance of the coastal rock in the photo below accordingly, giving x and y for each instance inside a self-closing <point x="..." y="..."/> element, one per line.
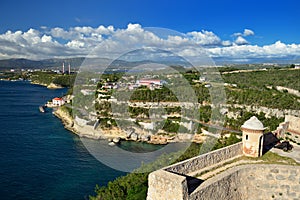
<point x="54" y="86"/>
<point x="128" y="135"/>
<point x="134" y="136"/>
<point x="145" y="138"/>
<point x="111" y="144"/>
<point x="129" y="131"/>
<point x="65" y="117"/>
<point x="116" y="140"/>
<point x="158" y="139"/>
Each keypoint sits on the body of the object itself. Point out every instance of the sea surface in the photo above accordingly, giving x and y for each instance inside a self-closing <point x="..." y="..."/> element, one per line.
<point x="39" y="159"/>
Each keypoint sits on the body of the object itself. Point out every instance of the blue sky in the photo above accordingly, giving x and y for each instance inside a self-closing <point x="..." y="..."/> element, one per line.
<point x="269" y="21"/>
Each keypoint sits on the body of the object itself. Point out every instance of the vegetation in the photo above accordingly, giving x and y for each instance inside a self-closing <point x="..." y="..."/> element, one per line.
<point x="259" y="88"/>
<point x="259" y="79"/>
<point x="223" y="141"/>
<point x="256" y="88"/>
<point x="13" y="75"/>
<point x="138" y="111"/>
<point x="133" y="186"/>
<point x="64" y="80"/>
<point x="145" y="94"/>
<point x="273" y="158"/>
<point x="270" y="123"/>
<point x="67" y="109"/>
<point x="51" y="77"/>
<point x="205" y="113"/>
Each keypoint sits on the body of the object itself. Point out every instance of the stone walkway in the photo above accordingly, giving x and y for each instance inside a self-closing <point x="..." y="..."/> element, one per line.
<point x="220" y="167"/>
<point x="218" y="170"/>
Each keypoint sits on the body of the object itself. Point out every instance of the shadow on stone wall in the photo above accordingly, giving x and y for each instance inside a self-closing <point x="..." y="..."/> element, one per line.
<point x="270" y="140"/>
<point x="192" y="182"/>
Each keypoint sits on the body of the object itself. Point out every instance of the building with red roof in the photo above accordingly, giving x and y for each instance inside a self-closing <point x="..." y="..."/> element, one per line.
<point x="58" y="101"/>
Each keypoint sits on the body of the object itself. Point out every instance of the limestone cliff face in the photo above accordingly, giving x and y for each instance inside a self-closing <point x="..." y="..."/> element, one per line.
<point x="38" y="83"/>
<point x="66" y="118"/>
<point x="49" y="86"/>
<point x="269" y="112"/>
<point x="54" y="86"/>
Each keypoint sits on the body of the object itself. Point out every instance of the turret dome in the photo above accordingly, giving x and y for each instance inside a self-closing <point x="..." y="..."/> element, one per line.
<point x="253" y="124"/>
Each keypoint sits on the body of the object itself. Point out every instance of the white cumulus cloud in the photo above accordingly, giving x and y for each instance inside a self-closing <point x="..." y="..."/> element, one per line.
<point x="248" y="32"/>
<point x="240" y="41"/>
<point x="205" y="37"/>
<point x="107" y="41"/>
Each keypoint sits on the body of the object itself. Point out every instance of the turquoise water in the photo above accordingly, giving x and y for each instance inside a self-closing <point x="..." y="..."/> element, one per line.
<point x="40" y="159"/>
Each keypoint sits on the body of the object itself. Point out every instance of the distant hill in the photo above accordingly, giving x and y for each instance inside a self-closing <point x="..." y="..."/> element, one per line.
<point x="97" y="63"/>
<point x="41" y="64"/>
<point x="93" y="63"/>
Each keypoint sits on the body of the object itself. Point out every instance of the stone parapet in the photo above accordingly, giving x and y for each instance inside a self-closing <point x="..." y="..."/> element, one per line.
<point x="205" y="160"/>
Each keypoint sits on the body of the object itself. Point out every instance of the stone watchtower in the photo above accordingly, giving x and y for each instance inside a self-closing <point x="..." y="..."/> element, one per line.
<point x="253" y="137"/>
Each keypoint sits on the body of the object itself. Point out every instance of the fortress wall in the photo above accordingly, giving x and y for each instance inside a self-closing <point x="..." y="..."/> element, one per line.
<point x="294" y="123"/>
<point x="252" y="181"/>
<point x="206" y="160"/>
<point x="220" y="187"/>
<point x="293" y="127"/>
<point x="166" y="185"/>
<point x="257" y="181"/>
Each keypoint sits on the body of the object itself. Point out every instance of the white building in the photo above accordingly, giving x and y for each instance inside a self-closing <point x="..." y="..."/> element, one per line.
<point x="58" y="101"/>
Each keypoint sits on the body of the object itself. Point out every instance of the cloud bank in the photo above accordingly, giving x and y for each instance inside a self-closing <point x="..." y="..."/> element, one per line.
<point x="82" y="41"/>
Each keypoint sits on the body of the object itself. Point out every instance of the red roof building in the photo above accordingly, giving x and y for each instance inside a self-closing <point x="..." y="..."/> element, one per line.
<point x="58" y="101"/>
<point x="148" y="82"/>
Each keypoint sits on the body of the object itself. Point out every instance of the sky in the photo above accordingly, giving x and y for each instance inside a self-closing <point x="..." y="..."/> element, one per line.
<point x="232" y="30"/>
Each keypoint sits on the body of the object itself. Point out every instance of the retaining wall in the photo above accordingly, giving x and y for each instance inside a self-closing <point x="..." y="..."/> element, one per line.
<point x="206" y="160"/>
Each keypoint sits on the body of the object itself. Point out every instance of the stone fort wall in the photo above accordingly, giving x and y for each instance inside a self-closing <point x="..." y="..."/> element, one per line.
<point x="251" y="181"/>
<point x="294" y="124"/>
<point x="209" y="159"/>
<point x="171" y="182"/>
<point x="256" y="181"/>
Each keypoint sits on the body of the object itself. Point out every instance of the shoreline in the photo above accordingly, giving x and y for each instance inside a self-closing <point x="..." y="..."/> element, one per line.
<point x="49" y="86"/>
<point x="115" y="133"/>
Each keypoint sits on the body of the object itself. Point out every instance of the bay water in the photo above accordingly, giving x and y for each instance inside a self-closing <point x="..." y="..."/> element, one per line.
<point x="40" y="159"/>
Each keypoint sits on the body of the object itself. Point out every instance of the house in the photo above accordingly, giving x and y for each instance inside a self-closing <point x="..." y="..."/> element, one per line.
<point x="150" y="83"/>
<point x="58" y="101"/>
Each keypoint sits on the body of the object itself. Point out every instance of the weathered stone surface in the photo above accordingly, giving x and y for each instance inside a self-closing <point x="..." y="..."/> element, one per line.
<point x="232" y="184"/>
<point x="111" y="144"/>
<point x="270" y="177"/>
<point x="134" y="136"/>
<point x="116" y="140"/>
<point x="145" y="138"/>
<point x="205" y="160"/>
<point x="171" y="186"/>
<point x="280" y="177"/>
<point x="251" y="189"/>
<point x="274" y="171"/>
